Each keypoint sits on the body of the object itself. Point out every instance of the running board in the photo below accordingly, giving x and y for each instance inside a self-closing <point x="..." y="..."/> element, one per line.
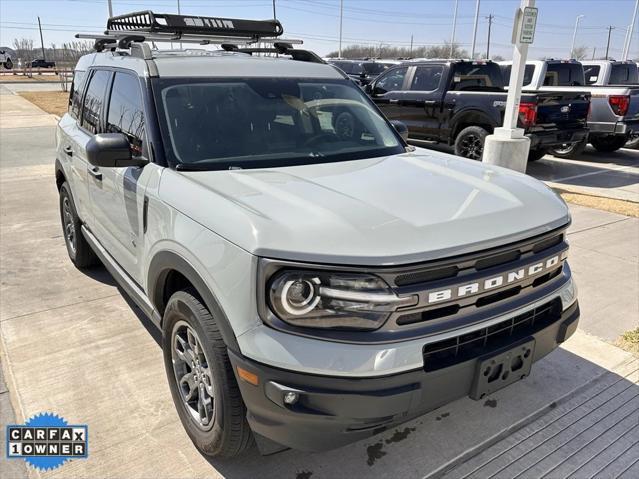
<point x="123" y="279"/>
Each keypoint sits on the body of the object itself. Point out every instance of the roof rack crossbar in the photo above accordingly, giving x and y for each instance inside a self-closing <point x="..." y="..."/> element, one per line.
<point x="199" y="39"/>
<point x="150" y="22"/>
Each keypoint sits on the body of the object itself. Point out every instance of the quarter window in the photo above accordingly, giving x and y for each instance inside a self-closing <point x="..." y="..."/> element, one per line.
<point x="94" y="100"/>
<point x="126" y="112"/>
<point x="75" y="98"/>
<point x="592" y="74"/>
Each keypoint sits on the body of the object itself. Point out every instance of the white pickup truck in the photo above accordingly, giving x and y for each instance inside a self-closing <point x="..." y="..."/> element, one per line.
<point x="614" y="109"/>
<point x="5" y="59"/>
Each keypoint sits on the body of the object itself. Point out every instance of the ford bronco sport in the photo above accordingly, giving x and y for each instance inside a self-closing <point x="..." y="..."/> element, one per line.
<point x="316" y="280"/>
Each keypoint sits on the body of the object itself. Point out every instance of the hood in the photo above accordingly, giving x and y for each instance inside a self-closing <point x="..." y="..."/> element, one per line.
<point x="392" y="210"/>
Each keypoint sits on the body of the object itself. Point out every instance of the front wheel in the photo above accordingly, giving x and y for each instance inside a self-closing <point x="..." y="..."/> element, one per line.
<point x="201" y="379"/>
<point x="470" y="142"/>
<point x="608" y="144"/>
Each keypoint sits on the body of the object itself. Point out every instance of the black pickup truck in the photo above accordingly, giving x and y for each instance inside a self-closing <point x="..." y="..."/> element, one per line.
<point x="459" y="102"/>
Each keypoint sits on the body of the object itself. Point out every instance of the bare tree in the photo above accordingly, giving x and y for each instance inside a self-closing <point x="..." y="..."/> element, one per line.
<point x="580" y="53"/>
<point x="385" y="51"/>
<point x="24" y="50"/>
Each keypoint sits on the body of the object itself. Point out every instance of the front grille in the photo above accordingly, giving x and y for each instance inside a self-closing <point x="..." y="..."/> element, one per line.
<point x="448" y="352"/>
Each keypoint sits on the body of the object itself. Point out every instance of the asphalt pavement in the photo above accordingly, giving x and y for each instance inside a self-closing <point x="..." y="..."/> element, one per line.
<point x="74" y="344"/>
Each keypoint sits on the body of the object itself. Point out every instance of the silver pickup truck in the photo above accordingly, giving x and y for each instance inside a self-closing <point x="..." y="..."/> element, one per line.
<point x="614" y="109"/>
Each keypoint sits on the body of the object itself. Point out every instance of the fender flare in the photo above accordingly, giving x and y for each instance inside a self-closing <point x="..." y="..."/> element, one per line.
<point x="164" y="262"/>
<point x="472" y="116"/>
<point x="59" y="169"/>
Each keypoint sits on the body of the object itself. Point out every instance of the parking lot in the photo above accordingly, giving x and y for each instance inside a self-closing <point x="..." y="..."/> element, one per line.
<point x="75" y="344"/>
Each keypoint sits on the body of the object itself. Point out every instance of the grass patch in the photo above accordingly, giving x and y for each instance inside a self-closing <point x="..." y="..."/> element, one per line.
<point x="54" y="102"/>
<point x="622" y="207"/>
<point x="10" y="78"/>
<point x="629" y="341"/>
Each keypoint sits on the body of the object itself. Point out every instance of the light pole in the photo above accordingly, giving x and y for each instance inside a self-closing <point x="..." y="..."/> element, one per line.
<point x="110" y="8"/>
<point x="610" y="29"/>
<point x="341" y="14"/>
<point x="626" y="51"/>
<point x="452" y="38"/>
<point x="472" y="50"/>
<point x="574" y="35"/>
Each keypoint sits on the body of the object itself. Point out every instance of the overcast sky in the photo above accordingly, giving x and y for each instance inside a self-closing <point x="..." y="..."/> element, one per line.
<point x="390" y="22"/>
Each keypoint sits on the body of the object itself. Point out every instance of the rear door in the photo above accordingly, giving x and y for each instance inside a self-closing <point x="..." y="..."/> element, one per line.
<point x="422" y="105"/>
<point x="389" y="90"/>
<point x="114" y="191"/>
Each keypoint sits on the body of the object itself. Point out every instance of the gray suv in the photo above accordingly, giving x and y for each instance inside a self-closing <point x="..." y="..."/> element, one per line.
<point x="315" y="279"/>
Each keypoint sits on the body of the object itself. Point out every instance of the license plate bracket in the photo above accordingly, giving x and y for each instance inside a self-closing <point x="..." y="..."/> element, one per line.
<point x="498" y="370"/>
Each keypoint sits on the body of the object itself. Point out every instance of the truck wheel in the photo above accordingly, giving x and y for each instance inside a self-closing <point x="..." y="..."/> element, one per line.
<point x="568" y="150"/>
<point x="470" y="142"/>
<point x="201" y="378"/>
<point x="8" y="64"/>
<point x="633" y="141"/>
<point x="78" y="248"/>
<point x="536" y="154"/>
<point x="609" y="143"/>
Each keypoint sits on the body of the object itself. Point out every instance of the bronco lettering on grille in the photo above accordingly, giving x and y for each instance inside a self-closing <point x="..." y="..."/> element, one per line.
<point x="497" y="281"/>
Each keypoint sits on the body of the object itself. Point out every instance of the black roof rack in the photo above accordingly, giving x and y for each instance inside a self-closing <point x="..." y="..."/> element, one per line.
<point x="149" y="22"/>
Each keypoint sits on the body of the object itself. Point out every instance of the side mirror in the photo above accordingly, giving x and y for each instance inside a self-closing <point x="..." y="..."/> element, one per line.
<point x="111" y="150"/>
<point x="368" y="88"/>
<point x="401" y="128"/>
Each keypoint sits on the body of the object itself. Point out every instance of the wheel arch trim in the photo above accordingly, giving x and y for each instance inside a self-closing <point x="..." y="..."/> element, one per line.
<point x="163" y="263"/>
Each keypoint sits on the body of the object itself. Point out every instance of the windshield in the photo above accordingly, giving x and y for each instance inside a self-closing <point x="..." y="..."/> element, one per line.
<point x="375" y="68"/>
<point x="266" y="122"/>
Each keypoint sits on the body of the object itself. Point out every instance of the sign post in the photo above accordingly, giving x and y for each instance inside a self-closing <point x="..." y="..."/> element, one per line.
<point x="508" y="146"/>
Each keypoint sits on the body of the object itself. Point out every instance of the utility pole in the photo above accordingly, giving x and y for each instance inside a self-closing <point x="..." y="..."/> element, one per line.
<point x="110" y="8"/>
<point x="610" y="28"/>
<point x="274" y="14"/>
<point x="574" y="35"/>
<point x="452" y="38"/>
<point x="594" y="51"/>
<point x="632" y="29"/>
<point x="341" y="15"/>
<point x="411" y="46"/>
<point x="178" y="5"/>
<point x="490" y="24"/>
<point x="472" y="50"/>
<point x="41" y="40"/>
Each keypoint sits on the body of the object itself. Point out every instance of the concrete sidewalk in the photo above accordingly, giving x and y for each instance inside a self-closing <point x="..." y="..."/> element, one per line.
<point x="72" y="343"/>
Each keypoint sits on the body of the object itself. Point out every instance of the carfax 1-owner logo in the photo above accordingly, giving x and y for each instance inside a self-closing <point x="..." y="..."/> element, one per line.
<point x="46" y="441"/>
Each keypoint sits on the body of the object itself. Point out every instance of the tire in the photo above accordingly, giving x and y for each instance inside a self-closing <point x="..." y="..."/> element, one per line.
<point x="79" y="250"/>
<point x="223" y="430"/>
<point x="568" y="151"/>
<point x="609" y="143"/>
<point x="8" y="64"/>
<point x="469" y="142"/>
<point x="536" y="154"/>
<point x="633" y="141"/>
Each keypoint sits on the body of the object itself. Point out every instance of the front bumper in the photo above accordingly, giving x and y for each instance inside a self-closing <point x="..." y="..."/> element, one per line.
<point x="547" y="139"/>
<point x="334" y="411"/>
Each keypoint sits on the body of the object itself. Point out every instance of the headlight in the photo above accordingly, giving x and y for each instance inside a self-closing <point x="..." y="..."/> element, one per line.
<point x="323" y="299"/>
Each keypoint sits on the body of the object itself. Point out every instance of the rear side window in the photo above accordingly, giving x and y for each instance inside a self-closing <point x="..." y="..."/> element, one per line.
<point x="126" y="111"/>
<point x="528" y="74"/>
<point x="564" y="74"/>
<point x="427" y="78"/>
<point x="391" y="81"/>
<point x="94" y="101"/>
<point x="623" y="74"/>
<point x="592" y="74"/>
<point x="476" y="76"/>
<point x="75" y="97"/>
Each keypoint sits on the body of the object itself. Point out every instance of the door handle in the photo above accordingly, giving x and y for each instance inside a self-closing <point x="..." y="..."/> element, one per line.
<point x="95" y="172"/>
<point x="393" y="101"/>
<point x="68" y="150"/>
<point x="430" y="102"/>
